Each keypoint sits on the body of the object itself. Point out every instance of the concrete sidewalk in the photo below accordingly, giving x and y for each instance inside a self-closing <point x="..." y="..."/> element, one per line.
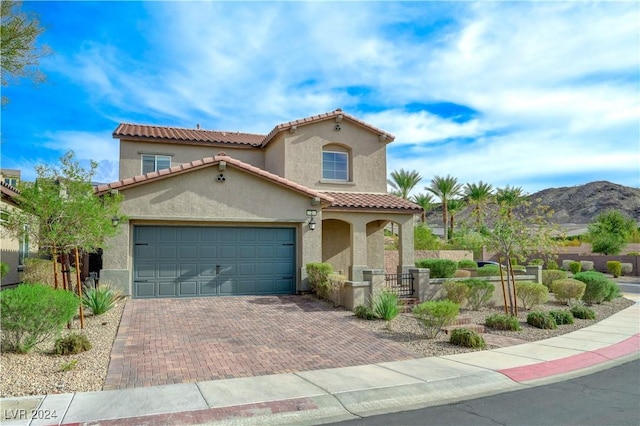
<point x="323" y="396"/>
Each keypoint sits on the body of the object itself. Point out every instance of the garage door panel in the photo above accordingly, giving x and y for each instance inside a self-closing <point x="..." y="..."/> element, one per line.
<point x="188" y="288"/>
<point x="146" y="270"/>
<point x="188" y="252"/>
<point x="208" y="287"/>
<point x="227" y="252"/>
<point x="167" y="253"/>
<point x="246" y="269"/>
<point x="213" y="261"/>
<point x="145" y="290"/>
<point x="188" y="269"/>
<point x="145" y="252"/>
<point x="166" y="289"/>
<point x="167" y="234"/>
<point x="168" y="270"/>
<point x="208" y="252"/>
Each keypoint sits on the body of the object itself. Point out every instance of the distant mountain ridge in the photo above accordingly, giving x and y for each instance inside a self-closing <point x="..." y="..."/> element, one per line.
<point x="578" y="204"/>
<point x="582" y="203"/>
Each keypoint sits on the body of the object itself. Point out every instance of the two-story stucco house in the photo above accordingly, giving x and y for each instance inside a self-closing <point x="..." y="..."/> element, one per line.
<point x="227" y="213"/>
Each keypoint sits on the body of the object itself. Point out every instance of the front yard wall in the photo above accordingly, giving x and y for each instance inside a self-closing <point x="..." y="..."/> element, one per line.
<point x="391" y="257"/>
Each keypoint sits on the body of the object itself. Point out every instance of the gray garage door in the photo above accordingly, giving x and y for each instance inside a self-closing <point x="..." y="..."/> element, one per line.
<point x="174" y="261"/>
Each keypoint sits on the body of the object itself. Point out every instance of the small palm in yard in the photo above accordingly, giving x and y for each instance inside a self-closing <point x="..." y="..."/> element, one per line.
<point x="101" y="299"/>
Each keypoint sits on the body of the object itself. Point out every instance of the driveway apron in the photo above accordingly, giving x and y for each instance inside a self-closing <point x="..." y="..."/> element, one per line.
<point x="167" y="341"/>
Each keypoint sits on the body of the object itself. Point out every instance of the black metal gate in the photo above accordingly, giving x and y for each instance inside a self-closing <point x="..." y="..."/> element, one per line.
<point x="400" y="284"/>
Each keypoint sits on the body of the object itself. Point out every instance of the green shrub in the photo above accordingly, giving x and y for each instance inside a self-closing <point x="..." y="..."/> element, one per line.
<point x="433" y="315"/>
<point x="541" y="320"/>
<point x="583" y="312"/>
<point x="364" y="312"/>
<point x="562" y="317"/>
<point x="575" y="267"/>
<point x="456" y="291"/>
<point x="568" y="289"/>
<point x="386" y="305"/>
<point x="627" y="268"/>
<point x="612" y="291"/>
<point x="565" y="264"/>
<point x="68" y="366"/>
<point x="467" y="338"/>
<point x="467" y="264"/>
<point x="30" y="314"/>
<point x="72" y="344"/>
<point x="100" y="300"/>
<point x="596" y="286"/>
<point x="532" y="294"/>
<point x="489" y="271"/>
<point x="586" y="265"/>
<point x="549" y="276"/>
<point x="439" y="268"/>
<point x="633" y="253"/>
<point x="552" y="265"/>
<point x="318" y="276"/>
<point x="4" y="269"/>
<point x="536" y="262"/>
<point x="479" y="293"/>
<point x="614" y="267"/>
<point x="503" y="322"/>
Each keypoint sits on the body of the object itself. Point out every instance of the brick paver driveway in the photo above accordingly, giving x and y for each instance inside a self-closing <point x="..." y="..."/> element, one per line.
<point x="164" y="341"/>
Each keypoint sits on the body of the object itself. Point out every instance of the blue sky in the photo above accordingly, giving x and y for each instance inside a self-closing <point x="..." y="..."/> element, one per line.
<point x="531" y="94"/>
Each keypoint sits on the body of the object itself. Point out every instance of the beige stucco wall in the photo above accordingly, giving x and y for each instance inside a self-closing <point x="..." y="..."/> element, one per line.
<point x="336" y="245"/>
<point x="304" y="156"/>
<point x="197" y="198"/>
<point x="9" y="250"/>
<point x="131" y="154"/>
<point x="274" y="156"/>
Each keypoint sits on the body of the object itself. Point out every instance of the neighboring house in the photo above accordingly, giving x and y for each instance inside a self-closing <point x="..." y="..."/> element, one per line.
<point x="13" y="251"/>
<point x="10" y="176"/>
<point x="224" y="213"/>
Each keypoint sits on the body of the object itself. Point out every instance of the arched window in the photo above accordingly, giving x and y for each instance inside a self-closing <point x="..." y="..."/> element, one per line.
<point x="336" y="163"/>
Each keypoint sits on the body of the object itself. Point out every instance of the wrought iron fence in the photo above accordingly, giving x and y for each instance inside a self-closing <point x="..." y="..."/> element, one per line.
<point x="401" y="284"/>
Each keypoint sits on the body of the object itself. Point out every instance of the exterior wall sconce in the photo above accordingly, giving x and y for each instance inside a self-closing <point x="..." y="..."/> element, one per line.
<point x="115" y="221"/>
<point x="312" y="223"/>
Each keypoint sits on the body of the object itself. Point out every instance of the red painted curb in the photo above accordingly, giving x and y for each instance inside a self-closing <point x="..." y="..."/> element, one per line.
<point x="573" y="362"/>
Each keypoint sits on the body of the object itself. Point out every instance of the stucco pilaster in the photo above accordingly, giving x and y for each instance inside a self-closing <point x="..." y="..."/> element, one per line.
<point x="405" y="249"/>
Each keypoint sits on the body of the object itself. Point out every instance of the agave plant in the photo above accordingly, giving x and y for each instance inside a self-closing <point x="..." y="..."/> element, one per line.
<point x="101" y="299"/>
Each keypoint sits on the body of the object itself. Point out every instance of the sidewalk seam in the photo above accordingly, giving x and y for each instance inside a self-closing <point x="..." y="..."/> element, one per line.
<point x="331" y="395"/>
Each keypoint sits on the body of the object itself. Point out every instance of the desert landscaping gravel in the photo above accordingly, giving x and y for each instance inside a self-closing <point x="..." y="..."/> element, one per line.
<point x="40" y="373"/>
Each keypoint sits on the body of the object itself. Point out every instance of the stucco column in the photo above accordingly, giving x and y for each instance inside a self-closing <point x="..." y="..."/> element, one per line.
<point x="406" y="253"/>
<point x="535" y="270"/>
<point x="421" y="283"/>
<point x="375" y="278"/>
<point x="311" y="250"/>
<point x="358" y="250"/>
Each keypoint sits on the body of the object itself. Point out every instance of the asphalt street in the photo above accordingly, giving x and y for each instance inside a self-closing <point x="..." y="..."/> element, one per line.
<point x="610" y="397"/>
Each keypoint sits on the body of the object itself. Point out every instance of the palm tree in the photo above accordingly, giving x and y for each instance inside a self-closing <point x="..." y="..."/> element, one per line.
<point x="444" y="188"/>
<point x="478" y="194"/>
<point x="426" y="202"/>
<point x="509" y="198"/>
<point x="403" y="181"/>
<point x="454" y="206"/>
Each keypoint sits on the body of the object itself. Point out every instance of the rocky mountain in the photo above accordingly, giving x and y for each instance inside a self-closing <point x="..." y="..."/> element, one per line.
<point x="577" y="205"/>
<point x="582" y="203"/>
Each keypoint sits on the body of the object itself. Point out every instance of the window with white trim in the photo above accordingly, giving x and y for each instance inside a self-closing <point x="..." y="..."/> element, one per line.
<point x="153" y="163"/>
<point x="335" y="165"/>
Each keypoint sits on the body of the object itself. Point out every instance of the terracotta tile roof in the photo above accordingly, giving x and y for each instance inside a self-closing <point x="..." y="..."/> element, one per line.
<point x="208" y="162"/>
<point x="338" y="113"/>
<point x="200" y="136"/>
<point x="159" y="133"/>
<point x="371" y="201"/>
<point x="8" y="190"/>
